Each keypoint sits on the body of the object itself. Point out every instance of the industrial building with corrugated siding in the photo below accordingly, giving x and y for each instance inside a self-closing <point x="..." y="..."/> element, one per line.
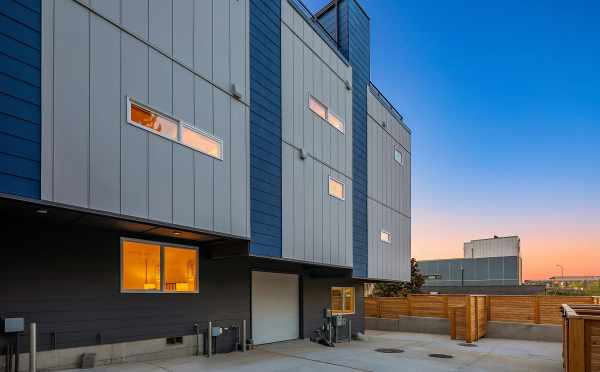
<point x="166" y="164"/>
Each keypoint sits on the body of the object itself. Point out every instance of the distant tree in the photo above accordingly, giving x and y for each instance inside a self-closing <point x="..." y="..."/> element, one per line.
<point x="404" y="288"/>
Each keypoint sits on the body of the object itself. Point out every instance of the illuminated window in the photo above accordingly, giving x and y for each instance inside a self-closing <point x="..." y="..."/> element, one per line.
<point x="155" y="267"/>
<point x="342" y="300"/>
<point x="386" y="237"/>
<point x="202" y="142"/>
<point x="173" y="129"/>
<point x="150" y="120"/>
<point x="180" y="269"/>
<point x="335" y="121"/>
<point x="336" y="188"/>
<point x="398" y="157"/>
<point x="317" y="107"/>
<point x="320" y="109"/>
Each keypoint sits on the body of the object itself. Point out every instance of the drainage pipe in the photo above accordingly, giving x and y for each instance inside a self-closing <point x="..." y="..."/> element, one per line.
<point x="197" y="328"/>
<point x="209" y="339"/>
<point x="244" y="336"/>
<point x="32" y="347"/>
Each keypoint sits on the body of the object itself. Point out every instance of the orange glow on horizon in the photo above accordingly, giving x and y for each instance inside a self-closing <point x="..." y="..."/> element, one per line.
<point x="574" y="246"/>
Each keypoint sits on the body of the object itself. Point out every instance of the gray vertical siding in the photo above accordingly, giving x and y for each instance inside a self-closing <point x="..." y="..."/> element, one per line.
<point x="389" y="193"/>
<point x="316" y="226"/>
<point x="487" y="271"/>
<point x="154" y="52"/>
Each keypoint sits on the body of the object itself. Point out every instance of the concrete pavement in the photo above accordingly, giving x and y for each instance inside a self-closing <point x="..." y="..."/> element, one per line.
<point x="301" y="355"/>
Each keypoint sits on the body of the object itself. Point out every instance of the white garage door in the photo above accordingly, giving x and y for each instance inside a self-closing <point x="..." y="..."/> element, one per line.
<point x="275" y="307"/>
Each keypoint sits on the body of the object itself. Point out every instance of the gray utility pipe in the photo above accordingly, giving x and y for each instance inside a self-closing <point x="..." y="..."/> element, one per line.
<point x="32" y="347"/>
<point x="209" y="339"/>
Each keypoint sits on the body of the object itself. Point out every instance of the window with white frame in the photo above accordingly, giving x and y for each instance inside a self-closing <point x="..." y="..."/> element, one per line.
<point x="155" y="267"/>
<point x="385" y="237"/>
<point x="336" y="188"/>
<point x="398" y="156"/>
<point x="176" y="130"/>
<point x="324" y="113"/>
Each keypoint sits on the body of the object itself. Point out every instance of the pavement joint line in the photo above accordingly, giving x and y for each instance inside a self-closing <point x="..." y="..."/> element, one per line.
<point x="158" y="366"/>
<point x="317" y="361"/>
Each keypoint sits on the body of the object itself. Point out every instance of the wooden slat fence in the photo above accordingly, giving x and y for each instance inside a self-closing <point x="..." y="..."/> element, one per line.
<point x="581" y="338"/>
<point x="513" y="309"/>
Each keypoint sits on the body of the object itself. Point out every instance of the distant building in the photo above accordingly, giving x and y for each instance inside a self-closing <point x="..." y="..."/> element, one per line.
<point x="493" y="247"/>
<point x="469" y="272"/>
<point x="487" y="262"/>
<point x="575" y="278"/>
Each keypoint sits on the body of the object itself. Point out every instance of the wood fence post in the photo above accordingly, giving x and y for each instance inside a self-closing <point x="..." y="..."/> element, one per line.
<point x="576" y="346"/>
<point x="476" y="318"/>
<point x="378" y="308"/>
<point x="446" y="307"/>
<point x="488" y="307"/>
<point x="468" y="319"/>
<point x="452" y="317"/>
<point x="409" y="305"/>
<point x="536" y="310"/>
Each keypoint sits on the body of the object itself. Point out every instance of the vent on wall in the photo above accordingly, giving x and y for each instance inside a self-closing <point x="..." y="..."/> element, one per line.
<point x="175" y="340"/>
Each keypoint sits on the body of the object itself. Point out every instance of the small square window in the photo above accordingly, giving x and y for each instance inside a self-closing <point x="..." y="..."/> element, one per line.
<point x="342" y="300"/>
<point x="336" y="188"/>
<point x="398" y="157"/>
<point x="317" y="107"/>
<point x="385" y="237"/>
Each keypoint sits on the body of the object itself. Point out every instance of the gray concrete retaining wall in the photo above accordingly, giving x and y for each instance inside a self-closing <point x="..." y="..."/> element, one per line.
<point x="410" y="324"/>
<point x="532" y="332"/>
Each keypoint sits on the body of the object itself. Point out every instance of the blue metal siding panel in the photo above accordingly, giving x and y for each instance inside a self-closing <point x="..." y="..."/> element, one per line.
<point x="20" y="97"/>
<point x="265" y="127"/>
<point x="358" y="52"/>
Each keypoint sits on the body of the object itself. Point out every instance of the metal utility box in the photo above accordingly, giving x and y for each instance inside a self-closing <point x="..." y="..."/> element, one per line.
<point x="13" y="325"/>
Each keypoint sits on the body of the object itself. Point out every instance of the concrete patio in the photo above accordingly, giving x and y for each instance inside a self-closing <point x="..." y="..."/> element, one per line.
<point x="301" y="355"/>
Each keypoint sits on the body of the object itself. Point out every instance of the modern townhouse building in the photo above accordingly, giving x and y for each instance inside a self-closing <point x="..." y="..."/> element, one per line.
<point x="169" y="163"/>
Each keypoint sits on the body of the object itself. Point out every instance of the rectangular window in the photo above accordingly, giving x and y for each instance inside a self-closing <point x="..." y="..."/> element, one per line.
<point x="325" y="114"/>
<point x="202" y="142"/>
<point x="152" y="121"/>
<point x="386" y="237"/>
<point x="335" y="121"/>
<point x="176" y="130"/>
<point x="342" y="300"/>
<point x="336" y="188"/>
<point x="398" y="157"/>
<point x="155" y="267"/>
<point x="317" y="107"/>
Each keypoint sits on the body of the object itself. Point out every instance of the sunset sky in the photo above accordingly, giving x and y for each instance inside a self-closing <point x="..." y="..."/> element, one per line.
<point x="504" y="102"/>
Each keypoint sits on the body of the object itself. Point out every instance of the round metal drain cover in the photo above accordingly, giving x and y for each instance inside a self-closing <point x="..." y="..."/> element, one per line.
<point x="386" y="350"/>
<point x="466" y="344"/>
<point x="441" y="356"/>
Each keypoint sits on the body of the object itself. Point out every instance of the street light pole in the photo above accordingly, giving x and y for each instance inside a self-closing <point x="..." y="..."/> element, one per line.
<point x="562" y="270"/>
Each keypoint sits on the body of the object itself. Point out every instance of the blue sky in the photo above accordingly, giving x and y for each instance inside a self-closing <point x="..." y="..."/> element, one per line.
<point x="504" y="102"/>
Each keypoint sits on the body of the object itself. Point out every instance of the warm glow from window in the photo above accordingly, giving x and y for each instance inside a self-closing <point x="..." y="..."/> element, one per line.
<point x="154" y="267"/>
<point x="201" y="142"/>
<point x="141" y="266"/>
<point x="386" y="237"/>
<point x="336" y="188"/>
<point x="398" y="156"/>
<point x="335" y="121"/>
<point x="342" y="300"/>
<point x="180" y="269"/>
<point x="149" y="120"/>
<point x="317" y="107"/>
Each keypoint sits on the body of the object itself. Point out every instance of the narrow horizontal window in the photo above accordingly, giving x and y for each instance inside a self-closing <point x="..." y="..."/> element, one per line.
<point x="336" y="188"/>
<point x="385" y="236"/>
<point x="317" y="107"/>
<point x="176" y="130"/>
<point x="155" y="267"/>
<point x="202" y="142"/>
<point x="398" y="157"/>
<point x="152" y="121"/>
<point x="335" y="121"/>
<point x="342" y="300"/>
